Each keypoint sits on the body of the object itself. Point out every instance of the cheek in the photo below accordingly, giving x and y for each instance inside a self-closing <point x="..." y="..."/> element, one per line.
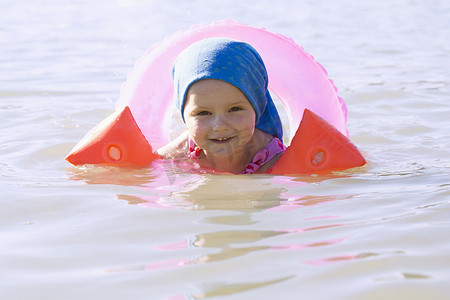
<point x="195" y="127"/>
<point x="250" y="128"/>
<point x="247" y="122"/>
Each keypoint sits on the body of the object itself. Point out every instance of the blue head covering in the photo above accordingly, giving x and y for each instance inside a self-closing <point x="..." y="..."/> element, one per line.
<point x="234" y="62"/>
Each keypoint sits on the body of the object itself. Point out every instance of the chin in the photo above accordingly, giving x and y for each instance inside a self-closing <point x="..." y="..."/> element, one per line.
<point x="220" y="154"/>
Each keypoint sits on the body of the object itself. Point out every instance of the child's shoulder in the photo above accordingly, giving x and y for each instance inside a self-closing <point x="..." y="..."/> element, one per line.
<point x="176" y="149"/>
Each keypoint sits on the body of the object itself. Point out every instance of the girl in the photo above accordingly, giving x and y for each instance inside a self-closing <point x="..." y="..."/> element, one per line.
<point x="232" y="123"/>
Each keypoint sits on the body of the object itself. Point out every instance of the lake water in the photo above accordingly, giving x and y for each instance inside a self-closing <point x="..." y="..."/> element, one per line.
<point x="380" y="232"/>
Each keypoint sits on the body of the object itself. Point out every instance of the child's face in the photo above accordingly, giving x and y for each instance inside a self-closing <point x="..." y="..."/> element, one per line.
<point x="219" y="118"/>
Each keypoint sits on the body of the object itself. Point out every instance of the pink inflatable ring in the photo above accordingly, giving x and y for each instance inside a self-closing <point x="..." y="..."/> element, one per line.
<point x="301" y="84"/>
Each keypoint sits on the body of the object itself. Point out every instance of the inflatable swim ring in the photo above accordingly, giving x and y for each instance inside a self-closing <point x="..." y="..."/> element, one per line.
<point x="145" y="108"/>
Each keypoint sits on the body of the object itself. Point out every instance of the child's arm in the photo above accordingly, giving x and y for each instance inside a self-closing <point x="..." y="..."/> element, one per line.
<point x="175" y="149"/>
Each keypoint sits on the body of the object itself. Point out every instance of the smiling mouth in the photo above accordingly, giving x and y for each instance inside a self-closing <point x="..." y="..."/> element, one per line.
<point x="221" y="140"/>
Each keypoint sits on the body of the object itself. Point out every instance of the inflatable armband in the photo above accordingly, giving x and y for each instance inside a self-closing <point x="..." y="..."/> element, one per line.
<point x="117" y="141"/>
<point x="317" y="147"/>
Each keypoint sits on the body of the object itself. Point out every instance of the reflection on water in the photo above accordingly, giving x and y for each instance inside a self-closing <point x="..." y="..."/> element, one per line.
<point x="226" y="243"/>
<point x="161" y="187"/>
<point x="224" y="289"/>
<point x="229" y="245"/>
<point x="157" y="188"/>
<point x="244" y="197"/>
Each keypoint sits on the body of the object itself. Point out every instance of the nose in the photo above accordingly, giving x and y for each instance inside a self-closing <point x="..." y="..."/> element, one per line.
<point x="220" y="123"/>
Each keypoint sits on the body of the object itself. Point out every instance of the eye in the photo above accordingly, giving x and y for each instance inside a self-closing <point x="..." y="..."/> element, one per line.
<point x="203" y="113"/>
<point x="236" y="108"/>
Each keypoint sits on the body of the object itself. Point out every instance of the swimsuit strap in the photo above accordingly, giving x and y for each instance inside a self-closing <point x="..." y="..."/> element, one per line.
<point x="274" y="147"/>
<point x="194" y="150"/>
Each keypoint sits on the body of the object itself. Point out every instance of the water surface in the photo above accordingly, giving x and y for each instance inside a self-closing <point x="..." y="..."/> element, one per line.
<point x="155" y="233"/>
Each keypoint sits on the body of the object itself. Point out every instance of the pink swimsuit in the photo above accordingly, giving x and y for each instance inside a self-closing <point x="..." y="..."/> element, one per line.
<point x="274" y="147"/>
